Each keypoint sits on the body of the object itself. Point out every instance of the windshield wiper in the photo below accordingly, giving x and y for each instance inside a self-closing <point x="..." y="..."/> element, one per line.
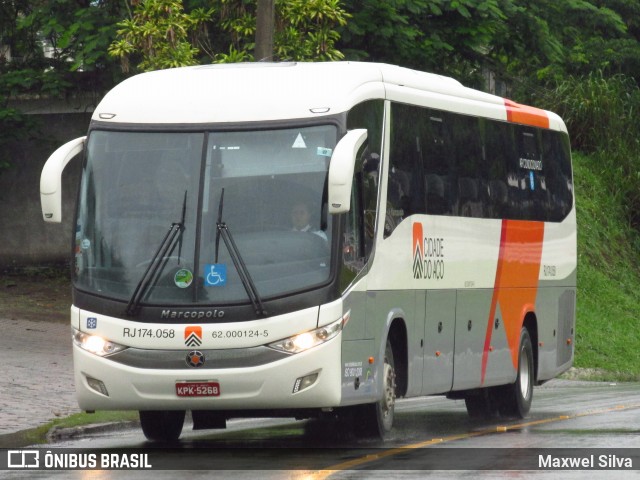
<point x="158" y="260"/>
<point x="222" y="230"/>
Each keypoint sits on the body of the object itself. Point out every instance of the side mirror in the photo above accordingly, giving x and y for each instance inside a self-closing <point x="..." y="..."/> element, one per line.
<point x="341" y="169"/>
<point x="51" y="179"/>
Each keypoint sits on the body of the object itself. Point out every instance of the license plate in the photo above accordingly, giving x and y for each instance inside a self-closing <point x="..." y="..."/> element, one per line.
<point x="198" y="389"/>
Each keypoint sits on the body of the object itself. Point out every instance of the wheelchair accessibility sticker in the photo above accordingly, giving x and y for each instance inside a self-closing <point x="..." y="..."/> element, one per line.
<point x="215" y="275"/>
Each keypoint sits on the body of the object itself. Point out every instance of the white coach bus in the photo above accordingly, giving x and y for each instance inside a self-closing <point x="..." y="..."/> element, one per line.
<point x="316" y="240"/>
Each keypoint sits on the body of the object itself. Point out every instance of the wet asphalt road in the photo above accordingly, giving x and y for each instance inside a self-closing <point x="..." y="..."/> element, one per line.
<point x="596" y="419"/>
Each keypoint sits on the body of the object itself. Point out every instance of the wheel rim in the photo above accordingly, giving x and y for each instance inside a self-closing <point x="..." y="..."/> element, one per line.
<point x="524" y="374"/>
<point x="389" y="397"/>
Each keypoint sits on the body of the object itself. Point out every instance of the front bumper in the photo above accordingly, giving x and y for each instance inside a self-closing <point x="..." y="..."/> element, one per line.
<point x="256" y="387"/>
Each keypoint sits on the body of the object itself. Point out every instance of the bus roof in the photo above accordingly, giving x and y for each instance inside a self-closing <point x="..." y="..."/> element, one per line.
<point x="246" y="92"/>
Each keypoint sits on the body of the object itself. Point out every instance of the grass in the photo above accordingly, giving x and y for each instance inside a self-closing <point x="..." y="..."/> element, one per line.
<point x="607" y="333"/>
<point x="39" y="435"/>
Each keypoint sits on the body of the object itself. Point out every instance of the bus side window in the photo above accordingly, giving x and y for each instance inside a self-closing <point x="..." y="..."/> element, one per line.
<point x="359" y="231"/>
<point x="368" y="115"/>
<point x="369" y="178"/>
<point x="470" y="166"/>
<point x="557" y="163"/>
<point x="497" y="151"/>
<point x="405" y="188"/>
<point x="529" y="169"/>
<point x="438" y="162"/>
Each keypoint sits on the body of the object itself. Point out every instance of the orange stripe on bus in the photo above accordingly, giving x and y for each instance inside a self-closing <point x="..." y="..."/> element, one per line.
<point x="526" y="115"/>
<point x="516" y="283"/>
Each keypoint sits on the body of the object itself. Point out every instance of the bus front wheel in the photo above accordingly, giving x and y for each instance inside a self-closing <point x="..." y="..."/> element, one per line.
<point x="162" y="425"/>
<point x="375" y="420"/>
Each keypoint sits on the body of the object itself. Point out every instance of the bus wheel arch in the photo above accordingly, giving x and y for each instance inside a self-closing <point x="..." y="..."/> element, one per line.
<point x="375" y="420"/>
<point x="531" y="324"/>
<point x="397" y="337"/>
<point x="514" y="399"/>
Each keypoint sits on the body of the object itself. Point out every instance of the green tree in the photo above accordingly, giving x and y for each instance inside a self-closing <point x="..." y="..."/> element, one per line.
<point x="549" y="40"/>
<point x="161" y="33"/>
<point x="51" y="48"/>
<point x="452" y="37"/>
<point x="303" y="30"/>
<point x="518" y="40"/>
<point x="306" y="29"/>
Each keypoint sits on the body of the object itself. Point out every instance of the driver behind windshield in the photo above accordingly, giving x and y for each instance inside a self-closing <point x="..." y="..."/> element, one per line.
<point x="301" y="220"/>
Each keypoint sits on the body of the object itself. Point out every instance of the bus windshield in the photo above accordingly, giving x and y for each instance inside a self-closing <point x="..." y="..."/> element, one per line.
<point x="154" y="204"/>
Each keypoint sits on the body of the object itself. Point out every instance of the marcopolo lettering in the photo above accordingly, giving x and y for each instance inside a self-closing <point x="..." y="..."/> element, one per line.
<point x="192" y="314"/>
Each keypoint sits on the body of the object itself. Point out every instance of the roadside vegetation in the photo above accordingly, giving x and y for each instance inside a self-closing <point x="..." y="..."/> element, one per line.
<point x="607" y="333"/>
<point x="601" y="115"/>
<point x="67" y="426"/>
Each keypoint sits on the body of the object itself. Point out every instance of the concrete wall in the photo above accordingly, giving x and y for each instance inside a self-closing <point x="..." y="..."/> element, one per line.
<point x="25" y="239"/>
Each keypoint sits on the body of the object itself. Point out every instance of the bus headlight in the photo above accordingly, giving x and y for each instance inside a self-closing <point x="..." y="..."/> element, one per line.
<point x="306" y="340"/>
<point x="95" y="343"/>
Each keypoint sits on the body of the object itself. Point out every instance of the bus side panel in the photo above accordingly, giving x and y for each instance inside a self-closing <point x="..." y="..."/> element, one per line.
<point x="440" y="322"/>
<point x="556" y="302"/>
<point x="358" y="375"/>
<point x="472" y="310"/>
<point x="355" y="304"/>
<point x="556" y="309"/>
<point x="383" y="308"/>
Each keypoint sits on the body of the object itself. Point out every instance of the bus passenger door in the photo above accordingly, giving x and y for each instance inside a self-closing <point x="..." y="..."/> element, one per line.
<point x="439" y="331"/>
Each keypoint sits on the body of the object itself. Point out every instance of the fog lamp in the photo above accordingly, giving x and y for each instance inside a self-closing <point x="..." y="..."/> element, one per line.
<point x="97" y="385"/>
<point x="304" y="382"/>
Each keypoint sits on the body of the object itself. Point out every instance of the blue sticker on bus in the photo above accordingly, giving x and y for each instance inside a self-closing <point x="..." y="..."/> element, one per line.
<point x="215" y="274"/>
<point x="92" y="323"/>
<point x="531" y="181"/>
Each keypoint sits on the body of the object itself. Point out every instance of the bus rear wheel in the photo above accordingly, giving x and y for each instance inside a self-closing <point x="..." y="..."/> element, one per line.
<point x="481" y="403"/>
<point x="375" y="420"/>
<point x="516" y="398"/>
<point x="162" y="425"/>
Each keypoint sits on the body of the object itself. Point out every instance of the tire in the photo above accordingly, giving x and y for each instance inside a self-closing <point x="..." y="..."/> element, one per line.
<point x="162" y="425"/>
<point x="375" y="420"/>
<point x="480" y="404"/>
<point x="516" y="398"/>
